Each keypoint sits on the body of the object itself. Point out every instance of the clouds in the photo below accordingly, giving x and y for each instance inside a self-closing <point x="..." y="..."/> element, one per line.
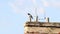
<point x="52" y="3"/>
<point x="55" y="3"/>
<point x="41" y="10"/>
<point x="18" y="4"/>
<point x="45" y="3"/>
<point x="48" y="3"/>
<point x="14" y="7"/>
<point x="21" y="6"/>
<point x="34" y="1"/>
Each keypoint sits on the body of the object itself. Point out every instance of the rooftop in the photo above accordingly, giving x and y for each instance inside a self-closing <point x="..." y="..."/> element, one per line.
<point x="43" y="24"/>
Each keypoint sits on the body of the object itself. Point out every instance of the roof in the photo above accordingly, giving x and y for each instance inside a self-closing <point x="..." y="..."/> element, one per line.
<point x="43" y="24"/>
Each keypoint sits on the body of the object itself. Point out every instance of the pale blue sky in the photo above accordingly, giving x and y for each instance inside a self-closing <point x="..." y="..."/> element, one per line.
<point x="13" y="13"/>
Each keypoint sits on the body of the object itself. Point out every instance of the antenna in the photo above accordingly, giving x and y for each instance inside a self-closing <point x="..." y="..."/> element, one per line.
<point x="36" y="11"/>
<point x="36" y="15"/>
<point x="44" y="15"/>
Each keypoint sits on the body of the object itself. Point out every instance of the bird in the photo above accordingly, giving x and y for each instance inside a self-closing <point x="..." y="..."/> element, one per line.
<point x="30" y="15"/>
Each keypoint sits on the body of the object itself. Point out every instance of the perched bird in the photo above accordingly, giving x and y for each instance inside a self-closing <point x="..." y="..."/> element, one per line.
<point x="30" y="15"/>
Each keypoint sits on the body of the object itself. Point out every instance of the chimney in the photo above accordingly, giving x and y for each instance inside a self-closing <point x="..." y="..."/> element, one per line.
<point x="30" y="18"/>
<point x="47" y="19"/>
<point x="36" y="19"/>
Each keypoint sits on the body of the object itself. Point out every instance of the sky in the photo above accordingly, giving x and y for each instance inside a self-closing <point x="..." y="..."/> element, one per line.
<point x="13" y="13"/>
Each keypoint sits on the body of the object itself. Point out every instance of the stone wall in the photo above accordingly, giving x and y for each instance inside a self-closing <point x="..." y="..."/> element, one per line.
<point x="41" y="30"/>
<point x="47" y="28"/>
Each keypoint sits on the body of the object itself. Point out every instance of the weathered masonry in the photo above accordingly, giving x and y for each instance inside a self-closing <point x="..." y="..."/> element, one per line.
<point x="36" y="27"/>
<point x="41" y="28"/>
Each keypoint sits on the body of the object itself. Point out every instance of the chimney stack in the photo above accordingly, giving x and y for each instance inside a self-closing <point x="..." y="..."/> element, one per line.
<point x="47" y="19"/>
<point x="36" y="19"/>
